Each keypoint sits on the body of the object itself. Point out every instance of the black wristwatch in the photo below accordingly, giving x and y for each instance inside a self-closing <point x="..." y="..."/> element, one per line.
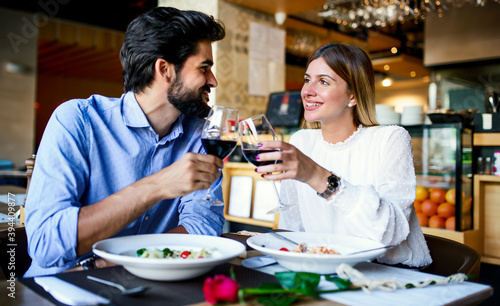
<point x="333" y="182"/>
<point x="87" y="262"/>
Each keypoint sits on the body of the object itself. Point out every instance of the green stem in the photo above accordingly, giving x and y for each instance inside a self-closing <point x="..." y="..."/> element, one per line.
<point x="268" y="291"/>
<point x="339" y="290"/>
<point x="261" y="291"/>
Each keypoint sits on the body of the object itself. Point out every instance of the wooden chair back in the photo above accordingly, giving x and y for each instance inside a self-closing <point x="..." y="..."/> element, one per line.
<point x="451" y="257"/>
<point x="30" y="164"/>
<point x="20" y="244"/>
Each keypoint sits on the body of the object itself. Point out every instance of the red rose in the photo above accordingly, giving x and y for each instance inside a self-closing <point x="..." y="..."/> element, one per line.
<point x="220" y="289"/>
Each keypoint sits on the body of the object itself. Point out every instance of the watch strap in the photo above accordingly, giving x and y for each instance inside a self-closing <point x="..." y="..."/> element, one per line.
<point x="87" y="262"/>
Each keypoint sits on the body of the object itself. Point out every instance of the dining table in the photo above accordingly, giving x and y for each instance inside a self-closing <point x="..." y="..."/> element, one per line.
<point x="190" y="292"/>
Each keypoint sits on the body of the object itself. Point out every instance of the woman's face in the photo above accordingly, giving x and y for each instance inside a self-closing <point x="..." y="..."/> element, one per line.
<point x="325" y="95"/>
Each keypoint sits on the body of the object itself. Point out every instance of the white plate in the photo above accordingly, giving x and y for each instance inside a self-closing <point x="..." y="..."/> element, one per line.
<point x="315" y="263"/>
<point x="121" y="250"/>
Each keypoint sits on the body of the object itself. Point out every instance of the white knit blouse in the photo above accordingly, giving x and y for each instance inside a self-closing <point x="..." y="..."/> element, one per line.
<point x="375" y="200"/>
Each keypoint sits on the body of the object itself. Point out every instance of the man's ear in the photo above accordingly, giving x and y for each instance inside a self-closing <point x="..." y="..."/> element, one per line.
<point x="164" y="70"/>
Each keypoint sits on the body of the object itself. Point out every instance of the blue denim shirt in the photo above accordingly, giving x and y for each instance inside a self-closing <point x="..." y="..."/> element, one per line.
<point x="92" y="148"/>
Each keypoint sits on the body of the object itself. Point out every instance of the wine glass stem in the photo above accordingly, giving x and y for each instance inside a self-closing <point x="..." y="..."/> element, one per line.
<point x="207" y="196"/>
<point x="277" y="194"/>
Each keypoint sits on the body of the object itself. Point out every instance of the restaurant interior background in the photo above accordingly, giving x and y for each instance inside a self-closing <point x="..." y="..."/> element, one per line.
<point x="55" y="50"/>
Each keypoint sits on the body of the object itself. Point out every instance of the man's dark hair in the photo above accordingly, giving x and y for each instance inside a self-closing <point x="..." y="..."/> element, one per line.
<point x="166" y="33"/>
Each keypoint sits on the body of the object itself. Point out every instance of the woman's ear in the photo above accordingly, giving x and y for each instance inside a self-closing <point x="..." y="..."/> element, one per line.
<point x="164" y="70"/>
<point x="352" y="101"/>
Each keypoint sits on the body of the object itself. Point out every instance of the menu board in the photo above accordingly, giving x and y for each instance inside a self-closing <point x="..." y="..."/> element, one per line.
<point x="266" y="72"/>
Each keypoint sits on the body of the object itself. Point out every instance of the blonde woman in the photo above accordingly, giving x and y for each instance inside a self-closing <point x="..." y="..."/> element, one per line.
<point x="350" y="176"/>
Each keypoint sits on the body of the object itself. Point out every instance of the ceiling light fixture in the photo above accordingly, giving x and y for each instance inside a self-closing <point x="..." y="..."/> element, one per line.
<point x="370" y="13"/>
<point x="302" y="43"/>
<point x="280" y="18"/>
<point x="386" y="82"/>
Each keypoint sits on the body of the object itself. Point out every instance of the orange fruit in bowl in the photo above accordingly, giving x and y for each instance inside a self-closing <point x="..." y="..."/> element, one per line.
<point x="423" y="220"/>
<point x="418" y="206"/>
<point x="437" y="194"/>
<point x="450" y="223"/>
<point x="422" y="193"/>
<point x="429" y="208"/>
<point x="446" y="210"/>
<point x="437" y="222"/>
<point x="450" y="196"/>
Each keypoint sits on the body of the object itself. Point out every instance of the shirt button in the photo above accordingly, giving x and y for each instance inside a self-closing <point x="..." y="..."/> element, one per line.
<point x="146" y="218"/>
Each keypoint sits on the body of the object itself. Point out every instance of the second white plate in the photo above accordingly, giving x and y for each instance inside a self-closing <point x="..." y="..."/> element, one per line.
<point x="315" y="263"/>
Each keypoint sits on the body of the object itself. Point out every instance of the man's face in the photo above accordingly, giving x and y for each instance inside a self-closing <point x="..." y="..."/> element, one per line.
<point x="191" y="87"/>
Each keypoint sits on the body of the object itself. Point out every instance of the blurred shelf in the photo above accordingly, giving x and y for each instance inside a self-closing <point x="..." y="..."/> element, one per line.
<point x="487" y="199"/>
<point x="12" y="174"/>
<point x="487" y="178"/>
<point x="250" y="221"/>
<point x="487" y="139"/>
<point x="243" y="169"/>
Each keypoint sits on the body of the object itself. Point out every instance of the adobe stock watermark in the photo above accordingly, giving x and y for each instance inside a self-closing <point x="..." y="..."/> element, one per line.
<point x="10" y="274"/>
<point x="29" y="28"/>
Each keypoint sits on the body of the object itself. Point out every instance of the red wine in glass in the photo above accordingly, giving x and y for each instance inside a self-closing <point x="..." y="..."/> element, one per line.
<point x="219" y="148"/>
<point x="219" y="137"/>
<point x="254" y="131"/>
<point x="250" y="156"/>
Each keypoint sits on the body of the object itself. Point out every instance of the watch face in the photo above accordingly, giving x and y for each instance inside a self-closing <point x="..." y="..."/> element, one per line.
<point x="333" y="181"/>
<point x="333" y="184"/>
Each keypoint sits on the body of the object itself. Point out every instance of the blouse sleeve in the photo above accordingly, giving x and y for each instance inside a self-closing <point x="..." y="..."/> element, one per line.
<point x="381" y="211"/>
<point x="290" y="219"/>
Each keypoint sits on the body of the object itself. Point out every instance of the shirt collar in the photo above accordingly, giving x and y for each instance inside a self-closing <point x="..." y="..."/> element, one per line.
<point x="133" y="115"/>
<point x="177" y="129"/>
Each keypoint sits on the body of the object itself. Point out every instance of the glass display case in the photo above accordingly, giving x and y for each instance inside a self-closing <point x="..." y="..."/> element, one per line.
<point x="443" y="166"/>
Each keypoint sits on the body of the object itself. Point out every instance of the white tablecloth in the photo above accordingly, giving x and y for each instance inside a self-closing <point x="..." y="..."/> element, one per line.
<point x="428" y="296"/>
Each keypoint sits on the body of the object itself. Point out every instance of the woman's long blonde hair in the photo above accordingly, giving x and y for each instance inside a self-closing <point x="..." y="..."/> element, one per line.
<point x="354" y="66"/>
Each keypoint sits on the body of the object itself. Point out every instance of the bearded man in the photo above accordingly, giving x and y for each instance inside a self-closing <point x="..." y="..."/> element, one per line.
<point x="109" y="167"/>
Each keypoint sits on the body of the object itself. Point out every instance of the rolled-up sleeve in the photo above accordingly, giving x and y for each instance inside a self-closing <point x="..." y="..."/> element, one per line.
<point x="202" y="219"/>
<point x="58" y="182"/>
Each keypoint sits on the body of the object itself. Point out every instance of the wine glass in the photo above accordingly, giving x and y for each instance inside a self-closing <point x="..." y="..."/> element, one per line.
<point x="253" y="131"/>
<point x="219" y="137"/>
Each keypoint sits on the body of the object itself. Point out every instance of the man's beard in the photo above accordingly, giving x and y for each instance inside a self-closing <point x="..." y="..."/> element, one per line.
<point x="188" y="102"/>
